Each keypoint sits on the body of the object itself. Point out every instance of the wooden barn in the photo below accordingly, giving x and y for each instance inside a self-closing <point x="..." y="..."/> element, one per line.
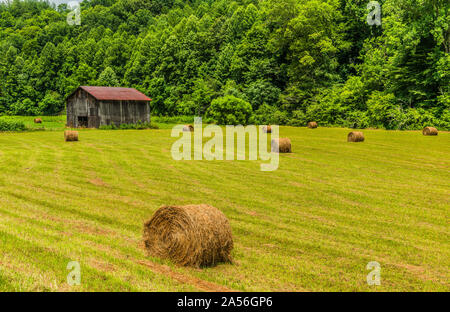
<point x="92" y="107"/>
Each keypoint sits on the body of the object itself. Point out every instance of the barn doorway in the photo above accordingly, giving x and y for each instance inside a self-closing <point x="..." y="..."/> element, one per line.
<point x="82" y="122"/>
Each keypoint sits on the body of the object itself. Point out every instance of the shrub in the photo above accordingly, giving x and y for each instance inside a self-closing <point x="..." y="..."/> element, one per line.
<point x="384" y="112"/>
<point x="11" y="125"/>
<point x="109" y="127"/>
<point x="137" y="126"/>
<point x="173" y="119"/>
<point x="51" y="104"/>
<point x="269" y="115"/>
<point x="280" y="118"/>
<point x="356" y="120"/>
<point x="262" y="92"/>
<point x="25" y="108"/>
<point x="230" y="110"/>
<point x="341" y="104"/>
<point x="298" y="119"/>
<point x="326" y="113"/>
<point x="444" y="122"/>
<point x="415" y="119"/>
<point x="264" y="115"/>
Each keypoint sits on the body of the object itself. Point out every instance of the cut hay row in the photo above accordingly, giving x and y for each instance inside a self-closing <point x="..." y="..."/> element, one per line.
<point x="312" y="125"/>
<point x="188" y="128"/>
<point x="267" y="129"/>
<point x="429" y="131"/>
<point x="193" y="235"/>
<point x="70" y="136"/>
<point x="281" y="145"/>
<point x="355" y="136"/>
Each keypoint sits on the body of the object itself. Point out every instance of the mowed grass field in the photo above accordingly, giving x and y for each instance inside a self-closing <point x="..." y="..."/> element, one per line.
<point x="48" y="122"/>
<point x="312" y="225"/>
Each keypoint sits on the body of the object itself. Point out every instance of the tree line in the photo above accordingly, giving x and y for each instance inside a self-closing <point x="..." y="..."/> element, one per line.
<point x="241" y="61"/>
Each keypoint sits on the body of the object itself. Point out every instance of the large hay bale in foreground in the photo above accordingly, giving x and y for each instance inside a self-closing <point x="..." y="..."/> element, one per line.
<point x="193" y="235"/>
<point x="70" y="136"/>
<point x="429" y="131"/>
<point x="38" y="120"/>
<point x="188" y="128"/>
<point x="355" y="136"/>
<point x="312" y="125"/>
<point x="281" y="145"/>
<point x="267" y="129"/>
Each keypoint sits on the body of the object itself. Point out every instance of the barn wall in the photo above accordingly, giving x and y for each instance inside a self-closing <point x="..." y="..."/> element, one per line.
<point x="123" y="112"/>
<point x="82" y="104"/>
<point x="70" y="112"/>
<point x="93" y="113"/>
<point x="109" y="113"/>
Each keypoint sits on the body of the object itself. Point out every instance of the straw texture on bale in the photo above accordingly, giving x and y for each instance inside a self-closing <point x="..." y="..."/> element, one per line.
<point x="193" y="235"/>
<point x="355" y="136"/>
<point x="429" y="131"/>
<point x="188" y="128"/>
<point x="267" y="129"/>
<point x="281" y="145"/>
<point x="312" y="125"/>
<point x="70" y="136"/>
<point x="38" y="120"/>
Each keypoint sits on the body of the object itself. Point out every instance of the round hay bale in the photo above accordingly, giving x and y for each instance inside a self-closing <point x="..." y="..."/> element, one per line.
<point x="267" y="129"/>
<point x="70" y="136"/>
<point x="312" y="125"/>
<point x="188" y="128"/>
<point x="355" y="136"/>
<point x="429" y="131"/>
<point x="281" y="145"/>
<point x="38" y="120"/>
<point x="193" y="235"/>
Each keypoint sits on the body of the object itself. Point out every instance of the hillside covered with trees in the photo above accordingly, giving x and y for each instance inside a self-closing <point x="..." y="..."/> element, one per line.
<point x="252" y="61"/>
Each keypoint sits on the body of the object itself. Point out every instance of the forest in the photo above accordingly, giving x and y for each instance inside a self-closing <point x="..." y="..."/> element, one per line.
<point x="282" y="62"/>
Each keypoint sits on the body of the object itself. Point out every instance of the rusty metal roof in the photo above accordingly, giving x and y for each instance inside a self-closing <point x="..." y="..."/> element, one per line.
<point x="115" y="94"/>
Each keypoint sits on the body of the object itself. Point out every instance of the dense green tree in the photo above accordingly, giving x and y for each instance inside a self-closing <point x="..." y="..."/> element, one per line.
<point x="292" y="60"/>
<point x="230" y="110"/>
<point x="108" y="78"/>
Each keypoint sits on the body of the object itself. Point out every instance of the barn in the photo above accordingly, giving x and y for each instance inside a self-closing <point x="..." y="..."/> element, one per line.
<point x="92" y="107"/>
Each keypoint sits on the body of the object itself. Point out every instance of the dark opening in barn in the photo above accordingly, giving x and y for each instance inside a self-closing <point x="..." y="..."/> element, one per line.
<point x="93" y="107"/>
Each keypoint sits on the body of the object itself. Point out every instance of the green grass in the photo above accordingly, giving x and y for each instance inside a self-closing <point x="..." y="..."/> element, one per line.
<point x="312" y="225"/>
<point x="48" y="122"/>
<point x="59" y="122"/>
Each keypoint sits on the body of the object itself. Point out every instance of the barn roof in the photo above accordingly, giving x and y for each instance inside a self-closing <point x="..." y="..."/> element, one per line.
<point x="115" y="94"/>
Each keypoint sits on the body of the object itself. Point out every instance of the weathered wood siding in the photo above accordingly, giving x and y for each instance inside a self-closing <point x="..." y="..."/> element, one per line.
<point x="82" y="107"/>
